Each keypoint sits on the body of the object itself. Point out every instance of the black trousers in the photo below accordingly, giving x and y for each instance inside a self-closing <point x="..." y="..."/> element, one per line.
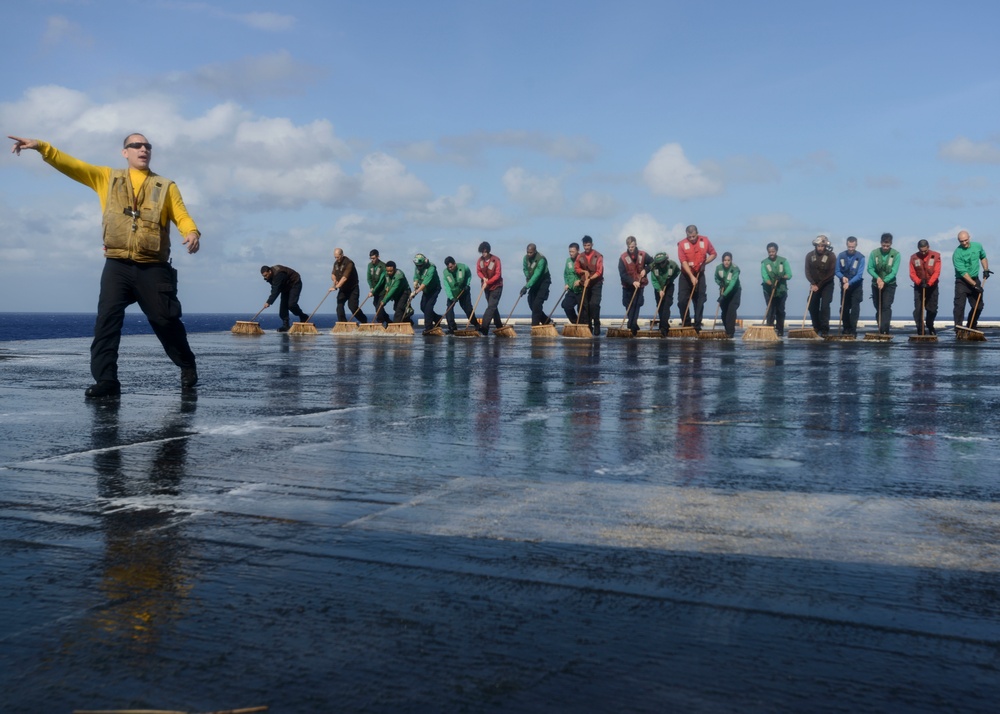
<point x="427" y="300"/>
<point x="591" y="312"/>
<point x="399" y="304"/>
<point x="665" y="301"/>
<point x="697" y="307"/>
<point x="537" y="295"/>
<point x="288" y="301"/>
<point x="465" y="302"/>
<point x="570" y="304"/>
<point x="350" y="297"/>
<point x="852" y="307"/>
<point x="154" y="287"/>
<point x="776" y="313"/>
<point x="925" y="307"/>
<point x="632" y="312"/>
<point x="728" y="306"/>
<point x="965" y="293"/>
<point x="380" y="314"/>
<point x="492" y="305"/>
<point x="819" y="309"/>
<point x="883" y="305"/>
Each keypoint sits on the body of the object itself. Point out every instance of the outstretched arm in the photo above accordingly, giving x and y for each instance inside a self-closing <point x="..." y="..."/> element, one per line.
<point x="21" y="143"/>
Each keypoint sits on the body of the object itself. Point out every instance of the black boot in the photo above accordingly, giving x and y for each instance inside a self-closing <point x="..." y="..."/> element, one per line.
<point x="284" y="326"/>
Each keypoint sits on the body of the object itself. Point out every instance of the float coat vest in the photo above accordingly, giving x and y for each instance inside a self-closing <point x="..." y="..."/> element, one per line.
<point x="132" y="223"/>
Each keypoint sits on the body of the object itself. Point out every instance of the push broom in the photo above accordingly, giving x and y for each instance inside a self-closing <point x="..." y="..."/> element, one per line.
<point x="374" y="327"/>
<point x="248" y="327"/>
<point x="655" y="334"/>
<point x="969" y="334"/>
<point x="841" y="337"/>
<point x="922" y="336"/>
<point x="878" y="336"/>
<point x="548" y="329"/>
<point x="436" y="331"/>
<point x="347" y="325"/>
<point x="507" y="331"/>
<point x="688" y="330"/>
<point x="403" y="329"/>
<point x="621" y="331"/>
<point x="468" y="330"/>
<point x="576" y="329"/>
<point x="804" y="333"/>
<point x="714" y="334"/>
<point x="763" y="332"/>
<point x="307" y="328"/>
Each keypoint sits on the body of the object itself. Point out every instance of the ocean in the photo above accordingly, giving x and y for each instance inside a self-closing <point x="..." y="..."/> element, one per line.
<point x="56" y="325"/>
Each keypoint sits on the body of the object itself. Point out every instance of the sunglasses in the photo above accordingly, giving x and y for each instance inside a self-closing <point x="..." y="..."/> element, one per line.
<point x="139" y="145"/>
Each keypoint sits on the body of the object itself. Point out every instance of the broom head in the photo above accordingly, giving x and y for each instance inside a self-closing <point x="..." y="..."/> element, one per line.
<point x="967" y="334"/>
<point x="245" y="327"/>
<point x="344" y="327"/>
<point x="434" y="332"/>
<point x="370" y="328"/>
<point x="713" y="335"/>
<point x="840" y="338"/>
<point x="803" y="333"/>
<point x="577" y="331"/>
<point x="923" y="338"/>
<point x="646" y="334"/>
<point x="505" y="331"/>
<point x="619" y="333"/>
<point x="400" y="329"/>
<point x="760" y="333"/>
<point x="877" y="337"/>
<point x="682" y="332"/>
<point x="303" y="328"/>
<point x="544" y="330"/>
<point x="468" y="333"/>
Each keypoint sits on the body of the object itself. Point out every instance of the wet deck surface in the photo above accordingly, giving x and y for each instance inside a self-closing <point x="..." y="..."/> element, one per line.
<point x="344" y="524"/>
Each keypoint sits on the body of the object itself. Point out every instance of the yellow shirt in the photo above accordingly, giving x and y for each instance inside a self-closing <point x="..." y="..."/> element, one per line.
<point x="99" y="178"/>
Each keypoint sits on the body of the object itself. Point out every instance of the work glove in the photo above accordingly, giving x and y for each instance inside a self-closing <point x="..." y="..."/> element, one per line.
<point x="719" y="300"/>
<point x="524" y="291"/>
<point x="923" y="283"/>
<point x="978" y="289"/>
<point x="987" y="274"/>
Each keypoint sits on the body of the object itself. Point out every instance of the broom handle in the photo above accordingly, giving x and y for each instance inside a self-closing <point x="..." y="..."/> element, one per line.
<point x="774" y="286"/>
<point x="843" y="294"/>
<point x="629" y="308"/>
<point x="656" y="317"/>
<point x="688" y="306"/>
<point x="923" y="307"/>
<point x="878" y="315"/>
<point x="258" y="312"/>
<point x="809" y="300"/>
<point x="320" y="304"/>
<point x="450" y="306"/>
<point x="579" y="312"/>
<point x="354" y="314"/>
<point x="512" y="310"/>
<point x="558" y="301"/>
<point x="469" y="324"/>
<point x="972" y="315"/>
<point x="718" y="306"/>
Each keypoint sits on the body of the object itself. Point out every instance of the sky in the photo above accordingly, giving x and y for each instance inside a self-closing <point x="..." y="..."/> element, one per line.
<point x="294" y="128"/>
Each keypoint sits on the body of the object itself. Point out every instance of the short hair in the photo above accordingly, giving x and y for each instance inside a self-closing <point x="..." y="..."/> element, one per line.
<point x="390" y="264"/>
<point x="630" y="240"/>
<point x="264" y="269"/>
<point x="852" y="239"/>
<point x="690" y="228"/>
<point x="532" y="246"/>
<point x="922" y="243"/>
<point x="449" y="260"/>
<point x="125" y="141"/>
<point x="373" y="252"/>
<point x="574" y="244"/>
<point x="727" y="254"/>
<point x="484" y="246"/>
<point x="587" y="239"/>
<point x="772" y="245"/>
<point x="886" y="238"/>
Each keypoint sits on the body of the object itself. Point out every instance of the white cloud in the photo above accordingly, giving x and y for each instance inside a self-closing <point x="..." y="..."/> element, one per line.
<point x="542" y="194"/>
<point x="966" y="151"/>
<point x="387" y="185"/>
<point x="278" y="142"/>
<point x="651" y="235"/>
<point x="594" y="204"/>
<point x="267" y="21"/>
<point x="456" y="212"/>
<point x="268" y="75"/>
<point x="669" y="173"/>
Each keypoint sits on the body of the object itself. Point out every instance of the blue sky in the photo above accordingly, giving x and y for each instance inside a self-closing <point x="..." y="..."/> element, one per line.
<point x="297" y="127"/>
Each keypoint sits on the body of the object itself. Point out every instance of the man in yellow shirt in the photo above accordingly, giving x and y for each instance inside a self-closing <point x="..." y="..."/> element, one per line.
<point x="138" y="207"/>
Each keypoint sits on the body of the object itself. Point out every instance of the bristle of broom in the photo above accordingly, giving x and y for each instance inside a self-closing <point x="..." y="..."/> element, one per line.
<point x="544" y="331"/>
<point x="434" y="332"/>
<point x="923" y="338"/>
<point x="761" y="333"/>
<point x="713" y="335"/>
<point x="577" y="331"/>
<point x="619" y="333"/>
<point x="967" y="334"/>
<point x="505" y="331"/>
<point x="840" y="338"/>
<point x="343" y="327"/>
<point x="675" y="332"/>
<point x="245" y="327"/>
<point x="647" y="334"/>
<point x="303" y="328"/>
<point x="877" y="337"/>
<point x="805" y="333"/>
<point x="401" y="329"/>
<point x="371" y="328"/>
<point x="468" y="333"/>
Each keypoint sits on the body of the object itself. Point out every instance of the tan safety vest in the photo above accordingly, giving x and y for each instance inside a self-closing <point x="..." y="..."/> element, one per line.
<point x="132" y="223"/>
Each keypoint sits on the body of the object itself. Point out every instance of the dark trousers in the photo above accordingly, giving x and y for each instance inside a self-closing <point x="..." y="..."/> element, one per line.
<point x="465" y="302"/>
<point x="665" y="301"/>
<point x="570" y="304"/>
<point x="925" y="307"/>
<point x="380" y="314"/>
<point x="591" y="312"/>
<point x="537" y="295"/>
<point x="427" y="300"/>
<point x="852" y="307"/>
<point x="776" y="313"/>
<point x="289" y="302"/>
<point x="399" y="305"/>
<point x="154" y="287"/>
<point x="632" y="305"/>
<point x="883" y="305"/>
<point x="492" y="312"/>
<point x="728" y="306"/>
<point x="819" y="309"/>
<point x="966" y="293"/>
<point x="350" y="297"/>
<point x="697" y="302"/>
